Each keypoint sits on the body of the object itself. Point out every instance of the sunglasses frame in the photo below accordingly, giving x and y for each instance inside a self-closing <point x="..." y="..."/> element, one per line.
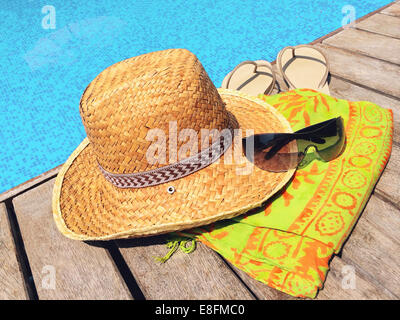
<point x="314" y="134"/>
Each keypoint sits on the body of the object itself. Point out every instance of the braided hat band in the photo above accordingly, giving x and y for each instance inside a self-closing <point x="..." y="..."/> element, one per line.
<point x="174" y="171"/>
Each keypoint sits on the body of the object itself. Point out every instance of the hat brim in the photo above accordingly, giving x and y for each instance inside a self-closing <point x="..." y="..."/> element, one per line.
<point x="88" y="207"/>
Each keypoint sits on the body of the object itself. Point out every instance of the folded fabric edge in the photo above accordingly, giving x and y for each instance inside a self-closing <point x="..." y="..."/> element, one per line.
<point x="179" y="241"/>
<point x="310" y="293"/>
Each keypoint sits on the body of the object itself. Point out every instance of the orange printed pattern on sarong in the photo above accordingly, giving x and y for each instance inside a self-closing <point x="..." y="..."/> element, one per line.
<point x="289" y="242"/>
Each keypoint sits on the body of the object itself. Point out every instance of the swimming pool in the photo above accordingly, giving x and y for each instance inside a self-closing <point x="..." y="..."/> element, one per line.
<point x="46" y="63"/>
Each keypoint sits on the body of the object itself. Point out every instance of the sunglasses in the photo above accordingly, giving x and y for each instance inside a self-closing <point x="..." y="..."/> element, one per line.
<point x="278" y="152"/>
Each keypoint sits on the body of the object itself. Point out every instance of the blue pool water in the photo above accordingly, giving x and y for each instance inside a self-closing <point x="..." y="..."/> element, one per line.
<point x="43" y="72"/>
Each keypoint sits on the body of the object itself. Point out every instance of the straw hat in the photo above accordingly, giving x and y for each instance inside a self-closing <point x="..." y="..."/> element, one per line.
<point x="109" y="189"/>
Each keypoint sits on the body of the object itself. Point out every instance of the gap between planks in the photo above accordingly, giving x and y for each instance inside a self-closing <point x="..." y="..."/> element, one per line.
<point x="373" y="247"/>
<point x="367" y="44"/>
<point x="79" y="271"/>
<point x="13" y="283"/>
<point x="376" y="75"/>
<point x="381" y="24"/>
<point x="393" y="10"/>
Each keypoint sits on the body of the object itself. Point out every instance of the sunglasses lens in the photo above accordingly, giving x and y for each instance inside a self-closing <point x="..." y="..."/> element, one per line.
<point x="334" y="143"/>
<point x="282" y="152"/>
<point x="286" y="158"/>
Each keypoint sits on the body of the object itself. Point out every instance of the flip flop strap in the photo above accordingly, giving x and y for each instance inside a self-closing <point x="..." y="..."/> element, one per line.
<point x="256" y="65"/>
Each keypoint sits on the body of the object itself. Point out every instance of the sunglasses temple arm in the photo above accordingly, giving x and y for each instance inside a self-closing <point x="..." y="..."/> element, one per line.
<point x="318" y="126"/>
<point x="285" y="138"/>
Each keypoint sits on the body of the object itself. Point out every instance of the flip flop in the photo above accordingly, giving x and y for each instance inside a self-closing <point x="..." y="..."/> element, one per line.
<point x="251" y="77"/>
<point x="304" y="66"/>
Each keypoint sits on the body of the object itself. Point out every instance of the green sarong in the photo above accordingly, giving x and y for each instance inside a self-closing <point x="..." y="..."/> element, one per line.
<point x="289" y="242"/>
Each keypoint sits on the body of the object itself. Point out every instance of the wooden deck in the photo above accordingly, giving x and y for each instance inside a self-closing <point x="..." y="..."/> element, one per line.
<point x="365" y="65"/>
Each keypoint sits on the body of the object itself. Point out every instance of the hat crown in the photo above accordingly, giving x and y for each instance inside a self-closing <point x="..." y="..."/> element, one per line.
<point x="152" y="91"/>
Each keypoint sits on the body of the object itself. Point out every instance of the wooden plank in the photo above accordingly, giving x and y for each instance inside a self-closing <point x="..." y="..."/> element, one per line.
<point x="81" y="271"/>
<point x="388" y="185"/>
<point x="369" y="72"/>
<point x="346" y="90"/>
<point x="367" y="43"/>
<point x="393" y="10"/>
<point x="11" y="279"/>
<point x="372" y="247"/>
<point x="319" y="40"/>
<point x="201" y="274"/>
<point x="30" y="183"/>
<point x="338" y="285"/>
<point x="381" y="24"/>
<point x="384" y="217"/>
